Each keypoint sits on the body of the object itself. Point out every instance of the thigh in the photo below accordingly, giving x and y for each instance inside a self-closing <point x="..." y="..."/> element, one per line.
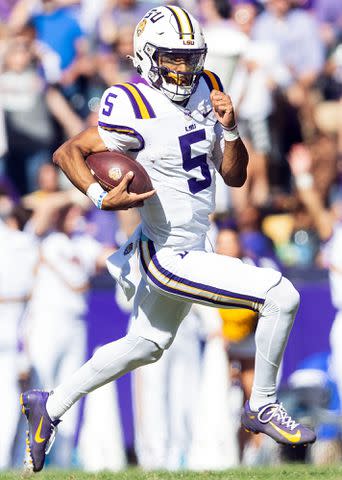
<point x="156" y="316"/>
<point x="207" y="278"/>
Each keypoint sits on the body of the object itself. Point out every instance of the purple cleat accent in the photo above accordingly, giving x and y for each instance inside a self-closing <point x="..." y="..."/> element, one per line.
<point x="273" y="420"/>
<point x="41" y="429"/>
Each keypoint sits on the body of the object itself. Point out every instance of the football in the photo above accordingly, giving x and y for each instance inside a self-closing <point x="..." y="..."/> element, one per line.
<point x="109" y="168"/>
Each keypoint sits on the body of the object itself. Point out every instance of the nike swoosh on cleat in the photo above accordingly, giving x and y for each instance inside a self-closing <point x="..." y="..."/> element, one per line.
<point x="37" y="437"/>
<point x="291" y="437"/>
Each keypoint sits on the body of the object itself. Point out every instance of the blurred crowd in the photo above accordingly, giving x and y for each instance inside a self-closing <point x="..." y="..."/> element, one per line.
<point x="281" y="62"/>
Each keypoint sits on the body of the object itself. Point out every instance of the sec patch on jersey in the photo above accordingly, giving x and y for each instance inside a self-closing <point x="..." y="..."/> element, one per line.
<point x="109" y="168"/>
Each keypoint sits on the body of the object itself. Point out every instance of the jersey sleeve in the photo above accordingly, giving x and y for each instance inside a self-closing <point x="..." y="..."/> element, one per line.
<point x="115" y="122"/>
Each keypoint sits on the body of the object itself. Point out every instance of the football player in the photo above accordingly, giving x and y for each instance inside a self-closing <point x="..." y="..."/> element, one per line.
<point x="180" y="126"/>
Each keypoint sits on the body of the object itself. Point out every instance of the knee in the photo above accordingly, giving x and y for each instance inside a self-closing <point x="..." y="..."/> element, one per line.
<point x="146" y="351"/>
<point x="284" y="297"/>
<point x="292" y="301"/>
<point x="131" y="351"/>
<point x="151" y="352"/>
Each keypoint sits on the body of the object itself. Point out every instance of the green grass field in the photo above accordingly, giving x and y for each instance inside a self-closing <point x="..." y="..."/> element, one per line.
<point x="284" y="472"/>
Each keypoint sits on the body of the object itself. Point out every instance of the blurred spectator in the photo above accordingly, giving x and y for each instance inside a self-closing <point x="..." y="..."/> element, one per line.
<point x="255" y="243"/>
<point x="56" y="26"/>
<point x="295" y="33"/>
<point x="114" y="62"/>
<point x="328" y="224"/>
<point x="304" y="243"/>
<point x="259" y="73"/>
<point x="313" y="394"/>
<point x="48" y="61"/>
<point x="6" y="7"/>
<point x="89" y="15"/>
<point x="225" y="42"/>
<point x="329" y="16"/>
<point x="3" y="143"/>
<point x="68" y="258"/>
<point x="18" y="257"/>
<point x="47" y="183"/>
<point x="120" y="13"/>
<point x="30" y="130"/>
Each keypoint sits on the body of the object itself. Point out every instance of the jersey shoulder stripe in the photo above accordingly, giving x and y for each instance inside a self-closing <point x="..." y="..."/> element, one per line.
<point x="141" y="106"/>
<point x="212" y="80"/>
<point x="124" y="130"/>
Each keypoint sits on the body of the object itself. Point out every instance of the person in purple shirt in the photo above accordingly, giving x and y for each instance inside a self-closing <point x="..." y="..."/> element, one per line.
<point x="296" y="34"/>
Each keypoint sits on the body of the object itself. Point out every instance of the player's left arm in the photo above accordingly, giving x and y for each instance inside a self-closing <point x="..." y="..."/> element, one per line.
<point x="235" y="157"/>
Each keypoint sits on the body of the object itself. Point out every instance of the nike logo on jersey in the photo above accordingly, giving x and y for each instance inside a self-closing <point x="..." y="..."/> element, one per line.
<point x="205" y="114"/>
<point x="37" y="437"/>
<point x="291" y="437"/>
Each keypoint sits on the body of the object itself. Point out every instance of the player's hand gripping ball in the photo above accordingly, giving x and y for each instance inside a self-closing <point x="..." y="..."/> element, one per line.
<point x="126" y="181"/>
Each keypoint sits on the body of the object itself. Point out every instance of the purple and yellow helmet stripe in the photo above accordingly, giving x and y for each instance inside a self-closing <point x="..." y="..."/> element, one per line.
<point x="171" y="283"/>
<point x="185" y="27"/>
<point x="141" y="106"/>
<point x="212" y="80"/>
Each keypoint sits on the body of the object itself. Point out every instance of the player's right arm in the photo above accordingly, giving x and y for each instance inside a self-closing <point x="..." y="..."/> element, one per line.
<point x="70" y="157"/>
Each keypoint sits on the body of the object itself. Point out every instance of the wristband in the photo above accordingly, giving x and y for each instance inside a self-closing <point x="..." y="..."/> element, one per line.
<point x="96" y="194"/>
<point x="230" y="134"/>
<point x="304" y="181"/>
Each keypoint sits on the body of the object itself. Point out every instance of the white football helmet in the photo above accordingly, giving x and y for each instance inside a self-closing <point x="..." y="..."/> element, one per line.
<point x="169" y="36"/>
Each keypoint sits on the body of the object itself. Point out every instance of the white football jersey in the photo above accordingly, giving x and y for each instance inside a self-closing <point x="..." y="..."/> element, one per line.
<point x="180" y="147"/>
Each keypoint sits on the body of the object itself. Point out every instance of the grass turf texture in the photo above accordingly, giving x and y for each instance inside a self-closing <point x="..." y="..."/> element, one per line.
<point x="284" y="472"/>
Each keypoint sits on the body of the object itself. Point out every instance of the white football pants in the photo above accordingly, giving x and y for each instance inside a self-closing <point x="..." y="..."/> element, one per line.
<point x="171" y="282"/>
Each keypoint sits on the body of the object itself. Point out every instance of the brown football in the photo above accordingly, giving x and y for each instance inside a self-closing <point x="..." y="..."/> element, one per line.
<point x="109" y="168"/>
